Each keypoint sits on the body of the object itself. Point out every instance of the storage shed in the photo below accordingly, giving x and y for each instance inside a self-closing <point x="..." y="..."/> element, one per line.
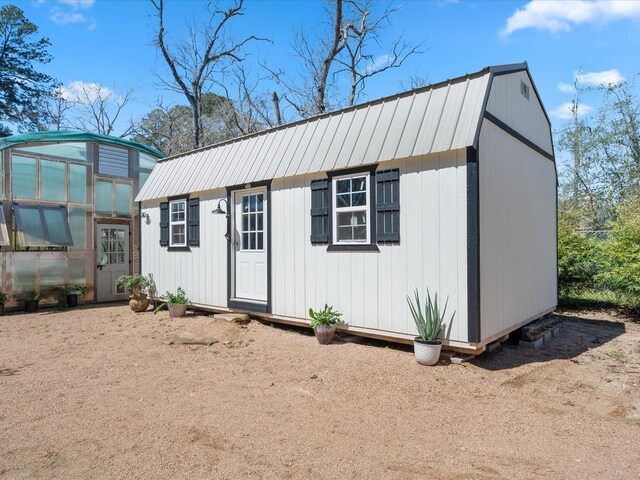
<point x="450" y="187"/>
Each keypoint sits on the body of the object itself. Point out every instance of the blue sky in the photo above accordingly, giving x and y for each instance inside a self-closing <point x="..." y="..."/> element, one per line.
<point x="110" y="41"/>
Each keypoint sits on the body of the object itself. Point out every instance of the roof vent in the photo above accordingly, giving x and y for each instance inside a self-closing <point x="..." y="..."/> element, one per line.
<point x="524" y="89"/>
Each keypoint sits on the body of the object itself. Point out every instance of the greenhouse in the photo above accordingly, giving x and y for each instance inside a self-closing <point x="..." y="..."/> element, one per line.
<point x="68" y="217"/>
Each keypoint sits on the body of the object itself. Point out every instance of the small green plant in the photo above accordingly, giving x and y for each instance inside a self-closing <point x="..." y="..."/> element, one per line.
<point x="136" y="284"/>
<point x="327" y="316"/>
<point x="615" y="354"/>
<point x="429" y="322"/>
<point x="32" y="296"/>
<point x="60" y="294"/>
<point x="80" y="290"/>
<point x="3" y="298"/>
<point x="171" y="299"/>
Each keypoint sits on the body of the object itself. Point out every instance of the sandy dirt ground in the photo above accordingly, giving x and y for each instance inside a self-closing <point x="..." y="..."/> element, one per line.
<point x="94" y="393"/>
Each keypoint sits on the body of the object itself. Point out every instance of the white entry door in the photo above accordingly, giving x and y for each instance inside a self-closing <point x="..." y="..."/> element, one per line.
<point x="250" y="244"/>
<point x="112" y="261"/>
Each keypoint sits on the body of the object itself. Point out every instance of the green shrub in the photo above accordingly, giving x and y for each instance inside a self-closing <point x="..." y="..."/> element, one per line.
<point x="621" y="252"/>
<point x="327" y="316"/>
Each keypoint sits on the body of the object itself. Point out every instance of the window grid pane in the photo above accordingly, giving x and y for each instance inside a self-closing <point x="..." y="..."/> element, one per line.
<point x="351" y="210"/>
<point x="178" y="220"/>
<point x="23" y="177"/>
<point x="252" y="234"/>
<point x="52" y="181"/>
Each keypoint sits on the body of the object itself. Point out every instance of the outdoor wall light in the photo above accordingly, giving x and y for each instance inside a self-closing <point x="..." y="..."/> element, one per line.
<point x="220" y="211"/>
<point x="147" y="218"/>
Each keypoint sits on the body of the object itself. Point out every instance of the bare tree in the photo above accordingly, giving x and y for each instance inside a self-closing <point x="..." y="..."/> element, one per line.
<point x="56" y="110"/>
<point x="98" y="109"/>
<point x="194" y="62"/>
<point x="344" y="48"/>
<point x="360" y="63"/>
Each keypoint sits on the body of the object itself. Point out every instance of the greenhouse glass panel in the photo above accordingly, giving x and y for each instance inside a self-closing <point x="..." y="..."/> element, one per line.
<point x="51" y="273"/>
<point x="104" y="198"/>
<point x="73" y="151"/>
<point x="123" y="199"/>
<point x="55" y="219"/>
<point x="78" y="227"/>
<point x="4" y="235"/>
<point x="143" y="178"/>
<point x="23" y="174"/>
<point x="52" y="184"/>
<point x="147" y="161"/>
<point x="24" y="273"/>
<point x="77" y="183"/>
<point x="42" y="226"/>
<point x="77" y="271"/>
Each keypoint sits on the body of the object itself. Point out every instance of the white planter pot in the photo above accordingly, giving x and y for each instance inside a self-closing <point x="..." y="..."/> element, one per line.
<point x="177" y="310"/>
<point x="427" y="353"/>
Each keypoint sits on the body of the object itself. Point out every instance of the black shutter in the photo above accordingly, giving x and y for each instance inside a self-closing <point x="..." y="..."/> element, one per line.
<point x="388" y="206"/>
<point x="320" y="211"/>
<point x="164" y="224"/>
<point x="193" y="221"/>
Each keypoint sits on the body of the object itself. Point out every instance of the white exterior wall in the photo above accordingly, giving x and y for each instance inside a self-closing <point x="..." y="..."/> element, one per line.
<point x="202" y="272"/>
<point x="525" y="116"/>
<point x="518" y="262"/>
<point x="370" y="288"/>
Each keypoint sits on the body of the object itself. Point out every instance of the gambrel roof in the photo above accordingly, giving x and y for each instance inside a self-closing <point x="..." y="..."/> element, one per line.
<point x="435" y="118"/>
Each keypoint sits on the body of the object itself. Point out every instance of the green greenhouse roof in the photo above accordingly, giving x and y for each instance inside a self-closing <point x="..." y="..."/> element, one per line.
<point x="72" y="136"/>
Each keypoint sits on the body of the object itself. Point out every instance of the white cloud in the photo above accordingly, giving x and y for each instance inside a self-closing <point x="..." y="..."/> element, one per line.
<point x="66" y="18"/>
<point x="561" y="15"/>
<point x="596" y="79"/>
<point x="86" y="92"/>
<point x="379" y="62"/>
<point x="69" y="13"/>
<point x="566" y="88"/>
<point x="564" y="111"/>
<point x="76" y="4"/>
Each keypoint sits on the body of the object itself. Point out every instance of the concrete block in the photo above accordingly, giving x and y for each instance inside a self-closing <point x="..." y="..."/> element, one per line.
<point x="461" y="358"/>
<point x="556" y="331"/>
<point x="537" y="343"/>
<point x="492" y="347"/>
<point x="232" y="317"/>
<point x="548" y="336"/>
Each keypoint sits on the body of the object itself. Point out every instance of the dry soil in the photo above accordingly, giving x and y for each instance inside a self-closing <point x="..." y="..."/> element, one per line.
<point x="94" y="393"/>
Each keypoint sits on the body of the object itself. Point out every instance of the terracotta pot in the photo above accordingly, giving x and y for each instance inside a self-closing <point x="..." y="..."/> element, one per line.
<point x="138" y="303"/>
<point x="427" y="353"/>
<point x="324" y="334"/>
<point x="177" y="310"/>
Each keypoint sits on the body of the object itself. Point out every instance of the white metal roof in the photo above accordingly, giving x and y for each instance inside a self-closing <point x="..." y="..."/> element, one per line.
<point x="431" y="119"/>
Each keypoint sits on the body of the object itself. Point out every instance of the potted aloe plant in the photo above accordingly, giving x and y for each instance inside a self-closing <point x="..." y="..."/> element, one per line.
<point x="429" y="323"/>
<point x="31" y="301"/>
<point x="324" y="322"/>
<point x="175" y="302"/>
<point x="3" y="300"/>
<point x="137" y="286"/>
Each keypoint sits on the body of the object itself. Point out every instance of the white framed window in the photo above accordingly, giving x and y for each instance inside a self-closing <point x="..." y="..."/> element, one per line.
<point x="351" y="207"/>
<point x="178" y="223"/>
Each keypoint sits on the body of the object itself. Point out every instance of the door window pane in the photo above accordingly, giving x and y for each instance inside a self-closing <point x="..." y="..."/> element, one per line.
<point x="104" y="201"/>
<point x="77" y="183"/>
<point x="23" y="176"/>
<point x="52" y="184"/>
<point x="123" y="199"/>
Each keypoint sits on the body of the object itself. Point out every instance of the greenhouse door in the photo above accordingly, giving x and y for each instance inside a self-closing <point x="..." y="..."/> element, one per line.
<point x="112" y="261"/>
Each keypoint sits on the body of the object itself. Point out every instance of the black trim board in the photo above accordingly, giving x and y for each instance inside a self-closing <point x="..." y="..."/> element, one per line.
<point x="473" y="247"/>
<point x="518" y="136"/>
<point x="231" y="301"/>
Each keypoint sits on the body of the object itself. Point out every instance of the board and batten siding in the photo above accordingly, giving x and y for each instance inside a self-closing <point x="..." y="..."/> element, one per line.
<point x="202" y="272"/>
<point x="370" y="288"/>
<point x="527" y="117"/>
<point x="518" y="263"/>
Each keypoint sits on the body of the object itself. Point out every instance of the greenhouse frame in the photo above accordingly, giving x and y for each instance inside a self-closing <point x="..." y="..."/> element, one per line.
<point x="68" y="217"/>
